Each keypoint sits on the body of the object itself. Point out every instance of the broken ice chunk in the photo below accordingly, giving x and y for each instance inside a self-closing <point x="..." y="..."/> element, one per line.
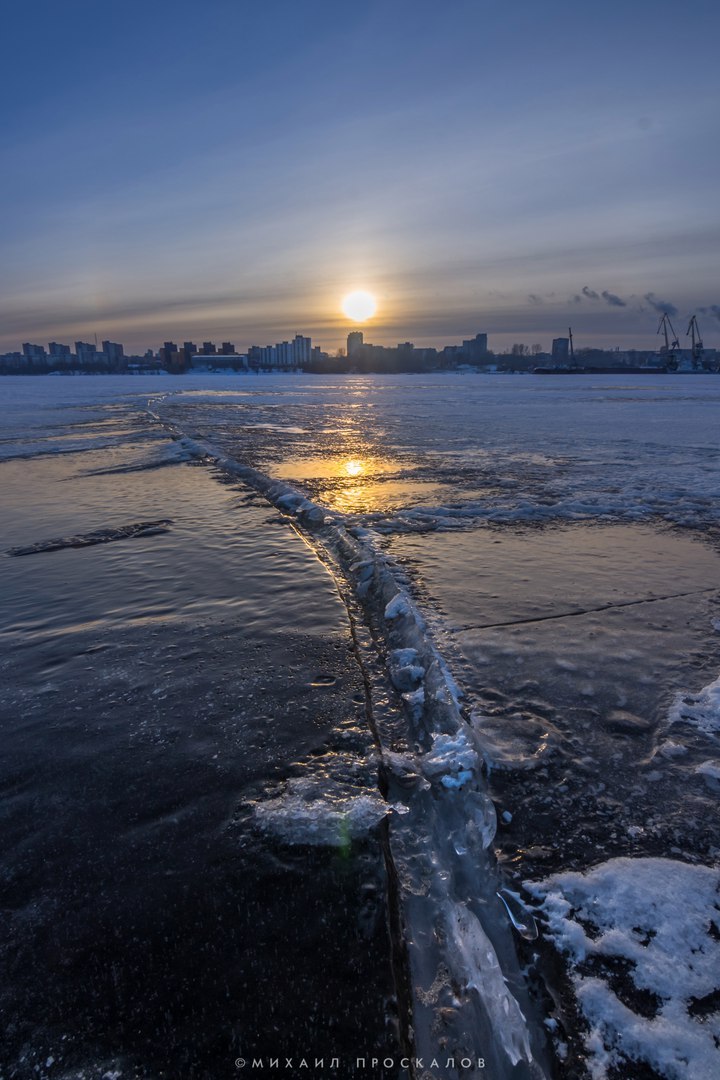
<point x="405" y="671"/>
<point x="398" y="606"/>
<point x="452" y="759"/>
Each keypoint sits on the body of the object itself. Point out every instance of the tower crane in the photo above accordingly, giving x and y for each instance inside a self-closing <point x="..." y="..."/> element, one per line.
<point x="672" y="344"/>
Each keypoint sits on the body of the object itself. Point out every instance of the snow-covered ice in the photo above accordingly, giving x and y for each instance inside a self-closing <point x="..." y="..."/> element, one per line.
<point x="662" y="917"/>
<point x="701" y="710"/>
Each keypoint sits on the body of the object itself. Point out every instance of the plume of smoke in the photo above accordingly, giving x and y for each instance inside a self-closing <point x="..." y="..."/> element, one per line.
<point x="714" y="310"/>
<point x="612" y="299"/>
<point x="590" y="293"/>
<point x="534" y="298"/>
<point x="663" y="307"/>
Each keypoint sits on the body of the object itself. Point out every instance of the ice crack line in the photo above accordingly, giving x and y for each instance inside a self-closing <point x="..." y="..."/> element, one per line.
<point x="458" y="940"/>
<point x="583" y="611"/>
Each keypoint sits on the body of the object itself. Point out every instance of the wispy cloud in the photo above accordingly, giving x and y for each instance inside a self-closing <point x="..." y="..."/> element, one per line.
<point x="612" y="299"/>
<point x="663" y="307"/>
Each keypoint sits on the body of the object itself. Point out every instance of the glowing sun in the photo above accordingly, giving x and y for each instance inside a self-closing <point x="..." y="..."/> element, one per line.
<point x="359" y="305"/>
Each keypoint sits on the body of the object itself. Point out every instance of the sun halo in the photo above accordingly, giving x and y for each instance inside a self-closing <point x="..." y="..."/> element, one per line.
<point x="359" y="305"/>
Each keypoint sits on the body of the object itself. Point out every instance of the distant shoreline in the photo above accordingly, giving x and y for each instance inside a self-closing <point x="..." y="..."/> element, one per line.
<point x="430" y="371"/>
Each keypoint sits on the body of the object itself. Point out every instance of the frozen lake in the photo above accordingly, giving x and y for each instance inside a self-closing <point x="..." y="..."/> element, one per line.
<point x="492" y="665"/>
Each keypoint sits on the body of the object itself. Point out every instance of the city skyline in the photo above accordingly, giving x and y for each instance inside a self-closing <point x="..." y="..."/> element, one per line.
<point x="234" y="173"/>
<point x="299" y="353"/>
<point x="503" y="341"/>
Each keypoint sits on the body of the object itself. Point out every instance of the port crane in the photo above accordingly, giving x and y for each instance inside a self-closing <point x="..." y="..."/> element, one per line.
<point x="697" y="346"/>
<point x="671" y="344"/>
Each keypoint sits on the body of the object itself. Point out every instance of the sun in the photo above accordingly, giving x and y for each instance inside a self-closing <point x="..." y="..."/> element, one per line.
<point x="359" y="305"/>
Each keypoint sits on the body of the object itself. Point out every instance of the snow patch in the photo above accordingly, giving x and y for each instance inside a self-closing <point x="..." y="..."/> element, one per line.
<point x="662" y="916"/>
<point x="405" y="670"/>
<point x="452" y="760"/>
<point x="415" y="701"/>
<point x="701" y="709"/>
<point x="710" y="770"/>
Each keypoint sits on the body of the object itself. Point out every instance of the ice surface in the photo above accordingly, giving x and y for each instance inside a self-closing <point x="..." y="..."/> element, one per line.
<point x="197" y="682"/>
<point x="477" y="963"/>
<point x="519" y="914"/>
<point x="319" y="814"/>
<point x="662" y="916"/>
<point x="671" y="749"/>
<point x="477" y="831"/>
<point x="98" y="536"/>
<point x="622" y="452"/>
<point x="625" y="449"/>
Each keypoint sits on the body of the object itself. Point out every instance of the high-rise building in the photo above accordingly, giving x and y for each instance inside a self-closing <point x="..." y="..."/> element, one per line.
<point x="301" y="350"/>
<point x="284" y="354"/>
<point x="85" y="352"/>
<point x="59" y="351"/>
<point x="227" y="348"/>
<point x="208" y="348"/>
<point x="170" y="358"/>
<point x="354" y="342"/>
<point x="112" y="350"/>
<point x="561" y="350"/>
<point x="34" y="352"/>
<point x="475" y="348"/>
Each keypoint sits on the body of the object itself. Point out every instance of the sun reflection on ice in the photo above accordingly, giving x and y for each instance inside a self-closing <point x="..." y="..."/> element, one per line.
<point x="353" y="483"/>
<point x="334" y="467"/>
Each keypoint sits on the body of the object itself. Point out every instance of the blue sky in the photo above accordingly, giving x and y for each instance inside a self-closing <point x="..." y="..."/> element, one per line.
<point x="228" y="169"/>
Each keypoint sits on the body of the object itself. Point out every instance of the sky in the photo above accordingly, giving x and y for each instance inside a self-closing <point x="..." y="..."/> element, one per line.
<point x="228" y="170"/>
